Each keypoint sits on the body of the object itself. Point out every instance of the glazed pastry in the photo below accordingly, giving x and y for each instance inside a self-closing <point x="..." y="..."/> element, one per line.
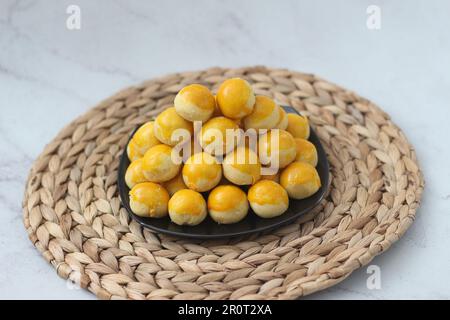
<point x="268" y="199"/>
<point x="283" y="122"/>
<point x="227" y="204"/>
<point x="144" y="138"/>
<point x="235" y="98"/>
<point x="195" y="103"/>
<point x="168" y="122"/>
<point x="174" y="185"/>
<point x="133" y="151"/>
<point x="187" y="207"/>
<point x="202" y="172"/>
<point x="213" y="136"/>
<point x="149" y="199"/>
<point x="265" y="114"/>
<point x="306" y="152"/>
<point x="282" y="149"/>
<point x="134" y="173"/>
<point x="298" y="126"/>
<point x="242" y="166"/>
<point x="157" y="164"/>
<point x="300" y="180"/>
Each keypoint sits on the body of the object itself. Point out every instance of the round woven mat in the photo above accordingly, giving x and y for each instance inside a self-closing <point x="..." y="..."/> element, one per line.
<point x="73" y="215"/>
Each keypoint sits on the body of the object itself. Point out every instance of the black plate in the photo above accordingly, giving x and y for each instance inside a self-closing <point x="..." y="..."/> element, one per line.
<point x="209" y="229"/>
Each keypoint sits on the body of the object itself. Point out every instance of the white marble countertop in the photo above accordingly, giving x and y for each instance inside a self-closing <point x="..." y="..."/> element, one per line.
<point x="49" y="75"/>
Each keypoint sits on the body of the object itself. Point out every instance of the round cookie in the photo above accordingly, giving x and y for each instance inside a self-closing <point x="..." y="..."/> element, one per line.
<point x="214" y="139"/>
<point x="300" y="180"/>
<point x="175" y="184"/>
<point x="242" y="166"/>
<point x="187" y="207"/>
<point x="144" y="137"/>
<point x="265" y="114"/>
<point x="195" y="103"/>
<point x="306" y="152"/>
<point x="142" y="140"/>
<point x="133" y="151"/>
<point x="167" y="123"/>
<point x="298" y="126"/>
<point x="202" y="172"/>
<point x="268" y="199"/>
<point x="134" y="173"/>
<point x="235" y="98"/>
<point x="283" y="122"/>
<point x="227" y="204"/>
<point x="149" y="199"/>
<point x="282" y="149"/>
<point x="157" y="164"/>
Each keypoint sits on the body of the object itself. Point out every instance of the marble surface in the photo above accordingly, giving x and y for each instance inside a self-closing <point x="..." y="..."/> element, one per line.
<point x="49" y="75"/>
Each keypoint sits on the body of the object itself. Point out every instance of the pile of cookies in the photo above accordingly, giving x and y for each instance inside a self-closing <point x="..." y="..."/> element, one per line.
<point x="197" y="158"/>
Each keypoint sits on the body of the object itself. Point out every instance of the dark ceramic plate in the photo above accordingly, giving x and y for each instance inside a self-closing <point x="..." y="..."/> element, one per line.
<point x="209" y="229"/>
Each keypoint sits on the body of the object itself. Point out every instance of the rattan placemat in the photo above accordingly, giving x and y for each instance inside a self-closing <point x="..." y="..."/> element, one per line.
<point x="73" y="215"/>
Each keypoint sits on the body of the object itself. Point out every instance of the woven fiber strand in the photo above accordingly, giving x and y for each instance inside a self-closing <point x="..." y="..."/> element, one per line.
<point x="73" y="215"/>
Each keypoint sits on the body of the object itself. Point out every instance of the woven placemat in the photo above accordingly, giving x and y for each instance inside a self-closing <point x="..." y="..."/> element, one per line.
<point x="73" y="215"/>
